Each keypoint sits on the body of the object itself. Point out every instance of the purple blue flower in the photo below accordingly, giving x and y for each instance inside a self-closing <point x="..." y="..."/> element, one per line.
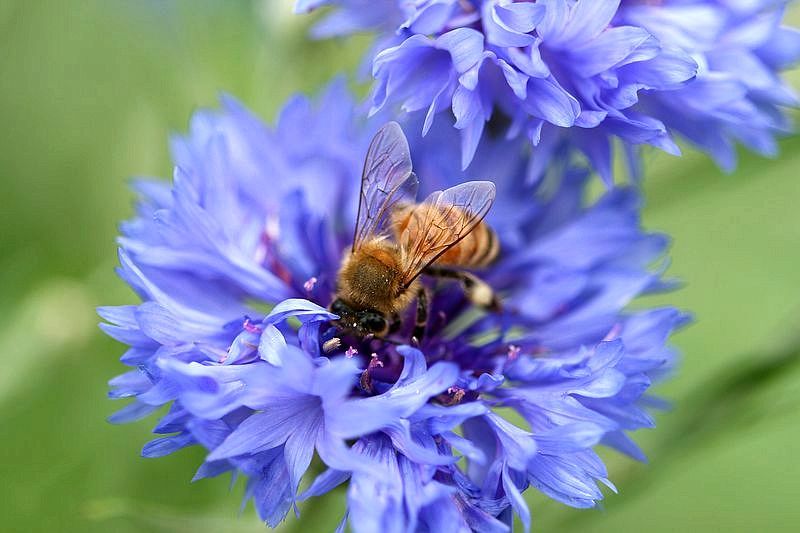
<point x="572" y="76"/>
<point x="738" y="95"/>
<point x="236" y="260"/>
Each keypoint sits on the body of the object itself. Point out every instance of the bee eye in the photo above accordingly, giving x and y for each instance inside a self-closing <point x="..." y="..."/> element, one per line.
<point x="373" y="322"/>
<point x="338" y="307"/>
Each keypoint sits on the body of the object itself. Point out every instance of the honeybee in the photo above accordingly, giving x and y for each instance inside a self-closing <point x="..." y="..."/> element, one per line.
<point x="396" y="240"/>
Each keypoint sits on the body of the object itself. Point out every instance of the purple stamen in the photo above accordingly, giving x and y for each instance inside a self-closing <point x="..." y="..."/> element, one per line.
<point x="250" y="327"/>
<point x="309" y="284"/>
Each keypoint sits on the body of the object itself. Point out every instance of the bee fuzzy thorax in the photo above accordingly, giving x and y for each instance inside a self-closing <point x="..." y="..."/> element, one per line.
<point x="371" y="277"/>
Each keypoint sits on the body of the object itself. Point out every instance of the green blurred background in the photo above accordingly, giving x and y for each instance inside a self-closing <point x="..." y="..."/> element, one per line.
<point x="89" y="92"/>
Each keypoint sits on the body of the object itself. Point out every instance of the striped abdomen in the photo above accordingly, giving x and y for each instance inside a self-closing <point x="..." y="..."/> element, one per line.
<point x="478" y="249"/>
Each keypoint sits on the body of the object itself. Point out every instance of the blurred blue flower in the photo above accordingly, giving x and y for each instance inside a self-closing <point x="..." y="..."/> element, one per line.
<point x="236" y="262"/>
<point x="355" y="16"/>
<point x="574" y="75"/>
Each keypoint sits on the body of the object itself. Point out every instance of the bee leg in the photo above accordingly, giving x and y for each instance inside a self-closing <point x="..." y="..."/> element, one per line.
<point x="478" y="291"/>
<point x="331" y="345"/>
<point x="395" y="323"/>
<point x="422" y="316"/>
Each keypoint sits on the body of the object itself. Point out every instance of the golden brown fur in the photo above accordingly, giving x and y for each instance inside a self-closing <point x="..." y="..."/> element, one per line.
<point x="372" y="278"/>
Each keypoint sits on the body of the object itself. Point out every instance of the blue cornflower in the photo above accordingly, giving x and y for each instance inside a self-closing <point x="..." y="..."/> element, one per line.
<point x="236" y="262"/>
<point x="738" y="95"/>
<point x="573" y="75"/>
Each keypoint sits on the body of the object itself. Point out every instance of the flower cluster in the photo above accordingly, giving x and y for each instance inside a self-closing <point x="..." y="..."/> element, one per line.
<point x="236" y="262"/>
<point x="572" y="75"/>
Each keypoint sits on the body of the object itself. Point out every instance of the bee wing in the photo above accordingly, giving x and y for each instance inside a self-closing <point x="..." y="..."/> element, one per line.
<point x="386" y="180"/>
<point x="440" y="222"/>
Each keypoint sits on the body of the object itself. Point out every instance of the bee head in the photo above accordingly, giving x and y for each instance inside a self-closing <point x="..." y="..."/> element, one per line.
<point x="338" y="307"/>
<point x="372" y="322"/>
<point x="361" y="322"/>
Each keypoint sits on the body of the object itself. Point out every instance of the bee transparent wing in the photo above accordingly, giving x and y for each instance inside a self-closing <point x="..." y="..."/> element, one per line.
<point x="440" y="222"/>
<point x="386" y="181"/>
